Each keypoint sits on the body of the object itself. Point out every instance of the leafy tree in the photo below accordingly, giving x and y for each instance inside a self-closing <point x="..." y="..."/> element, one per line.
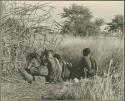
<point x="99" y="22"/>
<point x="78" y="21"/>
<point x="74" y="12"/>
<point x="116" y="25"/>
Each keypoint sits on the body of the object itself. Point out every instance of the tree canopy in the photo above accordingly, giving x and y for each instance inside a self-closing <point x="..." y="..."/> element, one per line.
<point x="116" y="24"/>
<point x="79" y="21"/>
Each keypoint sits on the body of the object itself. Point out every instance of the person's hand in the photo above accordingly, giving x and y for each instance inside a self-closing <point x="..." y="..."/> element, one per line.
<point x="85" y="69"/>
<point x="92" y="71"/>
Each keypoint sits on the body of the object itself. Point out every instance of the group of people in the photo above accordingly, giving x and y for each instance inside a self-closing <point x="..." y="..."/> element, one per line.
<point x="55" y="69"/>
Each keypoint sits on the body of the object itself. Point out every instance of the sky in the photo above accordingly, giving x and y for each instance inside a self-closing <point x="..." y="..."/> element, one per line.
<point x="99" y="9"/>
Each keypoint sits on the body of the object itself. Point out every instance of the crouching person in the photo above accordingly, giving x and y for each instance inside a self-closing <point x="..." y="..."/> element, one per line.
<point x="26" y="76"/>
<point x="33" y="68"/>
<point x="54" y="67"/>
<point x="88" y="64"/>
<point x="66" y="68"/>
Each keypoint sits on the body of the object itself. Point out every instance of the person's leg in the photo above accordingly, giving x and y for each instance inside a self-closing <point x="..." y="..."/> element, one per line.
<point x="33" y="78"/>
<point x="28" y="77"/>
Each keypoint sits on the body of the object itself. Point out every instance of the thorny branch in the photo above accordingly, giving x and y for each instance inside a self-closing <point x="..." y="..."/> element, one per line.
<point x="25" y="28"/>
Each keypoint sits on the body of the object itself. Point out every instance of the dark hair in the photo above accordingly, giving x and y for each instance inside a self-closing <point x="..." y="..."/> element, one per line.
<point x="33" y="55"/>
<point x="57" y="56"/>
<point x="86" y="51"/>
<point x="47" y="51"/>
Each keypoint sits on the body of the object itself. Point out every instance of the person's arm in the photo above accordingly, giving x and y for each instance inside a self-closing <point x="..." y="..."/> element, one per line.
<point x="83" y="68"/>
<point x="94" y="65"/>
<point x="29" y="66"/>
<point x="81" y="65"/>
<point x="85" y="72"/>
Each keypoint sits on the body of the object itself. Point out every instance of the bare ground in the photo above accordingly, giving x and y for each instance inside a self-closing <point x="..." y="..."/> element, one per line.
<point x="22" y="91"/>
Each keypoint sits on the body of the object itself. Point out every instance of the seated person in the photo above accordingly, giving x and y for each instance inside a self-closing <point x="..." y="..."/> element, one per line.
<point x="88" y="65"/>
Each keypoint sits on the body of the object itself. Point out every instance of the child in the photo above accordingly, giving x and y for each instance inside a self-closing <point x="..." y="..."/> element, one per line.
<point x="88" y="64"/>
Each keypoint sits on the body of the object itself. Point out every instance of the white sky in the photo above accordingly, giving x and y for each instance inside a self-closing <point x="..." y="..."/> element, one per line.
<point x="100" y="9"/>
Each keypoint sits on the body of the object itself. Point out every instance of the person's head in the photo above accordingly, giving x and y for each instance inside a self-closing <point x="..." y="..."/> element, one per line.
<point x="86" y="51"/>
<point x="33" y="59"/>
<point x="49" y="54"/>
<point x="46" y="56"/>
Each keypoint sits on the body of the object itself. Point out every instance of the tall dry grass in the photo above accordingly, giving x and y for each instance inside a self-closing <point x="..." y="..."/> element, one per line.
<point x="108" y="53"/>
<point x="103" y="49"/>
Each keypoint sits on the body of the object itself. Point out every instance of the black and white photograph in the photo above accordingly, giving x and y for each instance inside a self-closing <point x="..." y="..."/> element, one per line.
<point x="62" y="50"/>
